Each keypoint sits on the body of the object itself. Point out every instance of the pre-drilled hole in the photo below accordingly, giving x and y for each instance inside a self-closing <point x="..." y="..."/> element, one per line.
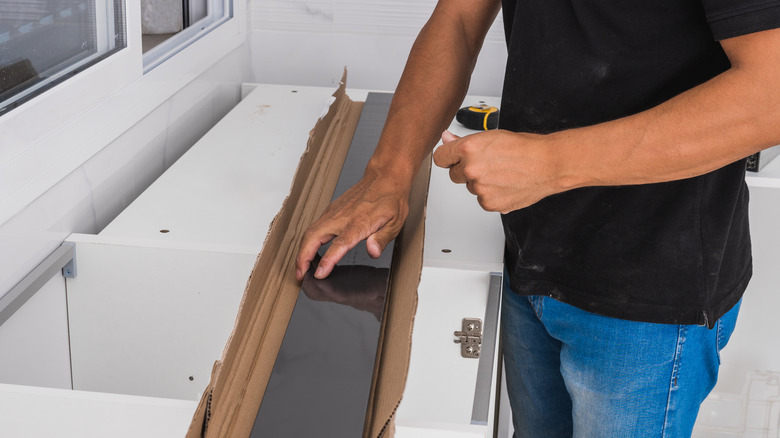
<point x="165" y="231"/>
<point x="446" y="250"/>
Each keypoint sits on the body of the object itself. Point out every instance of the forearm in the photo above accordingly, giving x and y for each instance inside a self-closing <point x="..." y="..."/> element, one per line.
<point x="721" y="121"/>
<point x="432" y="87"/>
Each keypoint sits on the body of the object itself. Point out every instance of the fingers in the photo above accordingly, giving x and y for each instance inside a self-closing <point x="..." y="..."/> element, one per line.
<point x="378" y="226"/>
<point x="339" y="247"/>
<point x="377" y="242"/>
<point x="307" y="251"/>
<point x="457" y="174"/>
<point x="447" y="137"/>
<point x="447" y="155"/>
<point x="340" y="244"/>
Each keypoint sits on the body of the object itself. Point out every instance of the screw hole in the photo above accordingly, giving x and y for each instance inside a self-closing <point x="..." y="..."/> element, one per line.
<point x="165" y="231"/>
<point x="446" y="250"/>
<point x="192" y="378"/>
<point x="294" y="91"/>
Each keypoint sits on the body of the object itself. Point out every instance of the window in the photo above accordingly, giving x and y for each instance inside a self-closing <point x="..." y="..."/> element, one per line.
<point x="170" y="25"/>
<point x="43" y="42"/>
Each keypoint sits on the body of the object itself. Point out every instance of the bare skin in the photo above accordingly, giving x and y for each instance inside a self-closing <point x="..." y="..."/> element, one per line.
<point x="435" y="79"/>
<point x="723" y="120"/>
<point x="716" y="123"/>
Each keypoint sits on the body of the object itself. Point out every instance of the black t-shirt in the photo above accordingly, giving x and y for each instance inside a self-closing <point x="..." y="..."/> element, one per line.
<point x="675" y="252"/>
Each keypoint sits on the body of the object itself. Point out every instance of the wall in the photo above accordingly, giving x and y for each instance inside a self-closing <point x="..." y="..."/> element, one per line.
<point x="310" y="42"/>
<point x="89" y="197"/>
<point x="752" y="346"/>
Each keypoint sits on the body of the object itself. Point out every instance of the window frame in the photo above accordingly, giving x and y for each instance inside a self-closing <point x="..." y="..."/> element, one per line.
<point x="108" y="15"/>
<point x="218" y="12"/>
<point x="57" y="131"/>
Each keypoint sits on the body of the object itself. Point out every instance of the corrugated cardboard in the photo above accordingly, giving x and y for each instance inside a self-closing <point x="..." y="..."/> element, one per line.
<point x="230" y="403"/>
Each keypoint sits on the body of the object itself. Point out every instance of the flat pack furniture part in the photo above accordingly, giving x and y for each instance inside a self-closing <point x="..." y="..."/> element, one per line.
<point x="159" y="288"/>
<point x="230" y="404"/>
<point x="322" y="376"/>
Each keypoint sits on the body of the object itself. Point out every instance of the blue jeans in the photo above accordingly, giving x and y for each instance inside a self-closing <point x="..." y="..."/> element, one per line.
<point x="574" y="373"/>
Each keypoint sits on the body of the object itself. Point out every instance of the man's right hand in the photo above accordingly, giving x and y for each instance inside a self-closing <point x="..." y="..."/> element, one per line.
<point x="373" y="209"/>
<point x="436" y="79"/>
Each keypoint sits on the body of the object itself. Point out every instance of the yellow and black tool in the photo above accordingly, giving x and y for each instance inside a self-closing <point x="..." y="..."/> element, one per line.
<point x="480" y="118"/>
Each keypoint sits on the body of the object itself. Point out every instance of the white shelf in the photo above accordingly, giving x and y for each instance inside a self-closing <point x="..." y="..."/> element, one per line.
<point x="150" y="311"/>
<point x="48" y="412"/>
<point x="226" y="189"/>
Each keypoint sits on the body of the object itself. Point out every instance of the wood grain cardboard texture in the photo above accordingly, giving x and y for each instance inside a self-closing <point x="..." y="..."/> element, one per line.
<point x="230" y="403"/>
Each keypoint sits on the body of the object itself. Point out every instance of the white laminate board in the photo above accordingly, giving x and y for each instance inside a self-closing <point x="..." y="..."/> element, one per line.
<point x="459" y="234"/>
<point x="229" y="186"/>
<point x="34" y="341"/>
<point x="151" y="321"/>
<point x="438" y="430"/>
<point x="47" y="412"/>
<point x="440" y="385"/>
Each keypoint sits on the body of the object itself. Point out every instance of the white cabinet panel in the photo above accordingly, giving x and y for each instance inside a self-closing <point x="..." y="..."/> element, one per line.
<point x="159" y="288"/>
<point x="34" y="341"/>
<point x="441" y="384"/>
<point x="151" y="321"/>
<point x="46" y="412"/>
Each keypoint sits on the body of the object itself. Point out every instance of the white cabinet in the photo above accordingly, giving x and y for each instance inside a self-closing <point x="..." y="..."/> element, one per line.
<point x="159" y="288"/>
<point x="51" y="412"/>
<point x="447" y="394"/>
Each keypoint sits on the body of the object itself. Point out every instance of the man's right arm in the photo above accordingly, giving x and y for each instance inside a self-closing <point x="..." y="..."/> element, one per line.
<point x="432" y="87"/>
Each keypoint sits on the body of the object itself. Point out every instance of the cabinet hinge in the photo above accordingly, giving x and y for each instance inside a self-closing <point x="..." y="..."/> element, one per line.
<point x="470" y="338"/>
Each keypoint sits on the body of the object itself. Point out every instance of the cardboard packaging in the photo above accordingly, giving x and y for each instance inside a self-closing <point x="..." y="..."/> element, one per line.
<point x="231" y="401"/>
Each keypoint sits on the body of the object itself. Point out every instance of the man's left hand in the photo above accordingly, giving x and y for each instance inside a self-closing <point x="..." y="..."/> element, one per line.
<point x="507" y="171"/>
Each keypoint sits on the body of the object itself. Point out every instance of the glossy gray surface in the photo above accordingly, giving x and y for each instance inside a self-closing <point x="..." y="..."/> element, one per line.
<point x="322" y="377"/>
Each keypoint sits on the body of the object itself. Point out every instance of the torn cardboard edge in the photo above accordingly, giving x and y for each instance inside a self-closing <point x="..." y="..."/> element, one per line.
<point x="230" y="403"/>
<point x="395" y="340"/>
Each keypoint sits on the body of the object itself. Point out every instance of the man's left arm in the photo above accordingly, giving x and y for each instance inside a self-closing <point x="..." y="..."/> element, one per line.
<point x="727" y="118"/>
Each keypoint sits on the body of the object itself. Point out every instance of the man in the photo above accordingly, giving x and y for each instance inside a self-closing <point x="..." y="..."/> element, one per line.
<point x="619" y="171"/>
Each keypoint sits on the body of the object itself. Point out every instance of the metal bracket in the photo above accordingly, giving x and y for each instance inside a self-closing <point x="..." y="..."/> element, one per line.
<point x="61" y="260"/>
<point x="470" y="338"/>
<point x="69" y="270"/>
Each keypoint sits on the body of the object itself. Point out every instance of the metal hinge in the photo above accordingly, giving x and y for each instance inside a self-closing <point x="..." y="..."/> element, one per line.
<point x="470" y="338"/>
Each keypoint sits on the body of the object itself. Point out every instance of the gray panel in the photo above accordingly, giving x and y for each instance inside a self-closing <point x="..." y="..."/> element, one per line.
<point x="481" y="406"/>
<point x="322" y="377"/>
<point x="61" y="258"/>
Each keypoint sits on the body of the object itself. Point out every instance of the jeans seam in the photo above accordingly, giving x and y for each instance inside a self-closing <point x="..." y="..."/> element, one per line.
<point x="718" y="338"/>
<point x="673" y="384"/>
<point x="537" y="303"/>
